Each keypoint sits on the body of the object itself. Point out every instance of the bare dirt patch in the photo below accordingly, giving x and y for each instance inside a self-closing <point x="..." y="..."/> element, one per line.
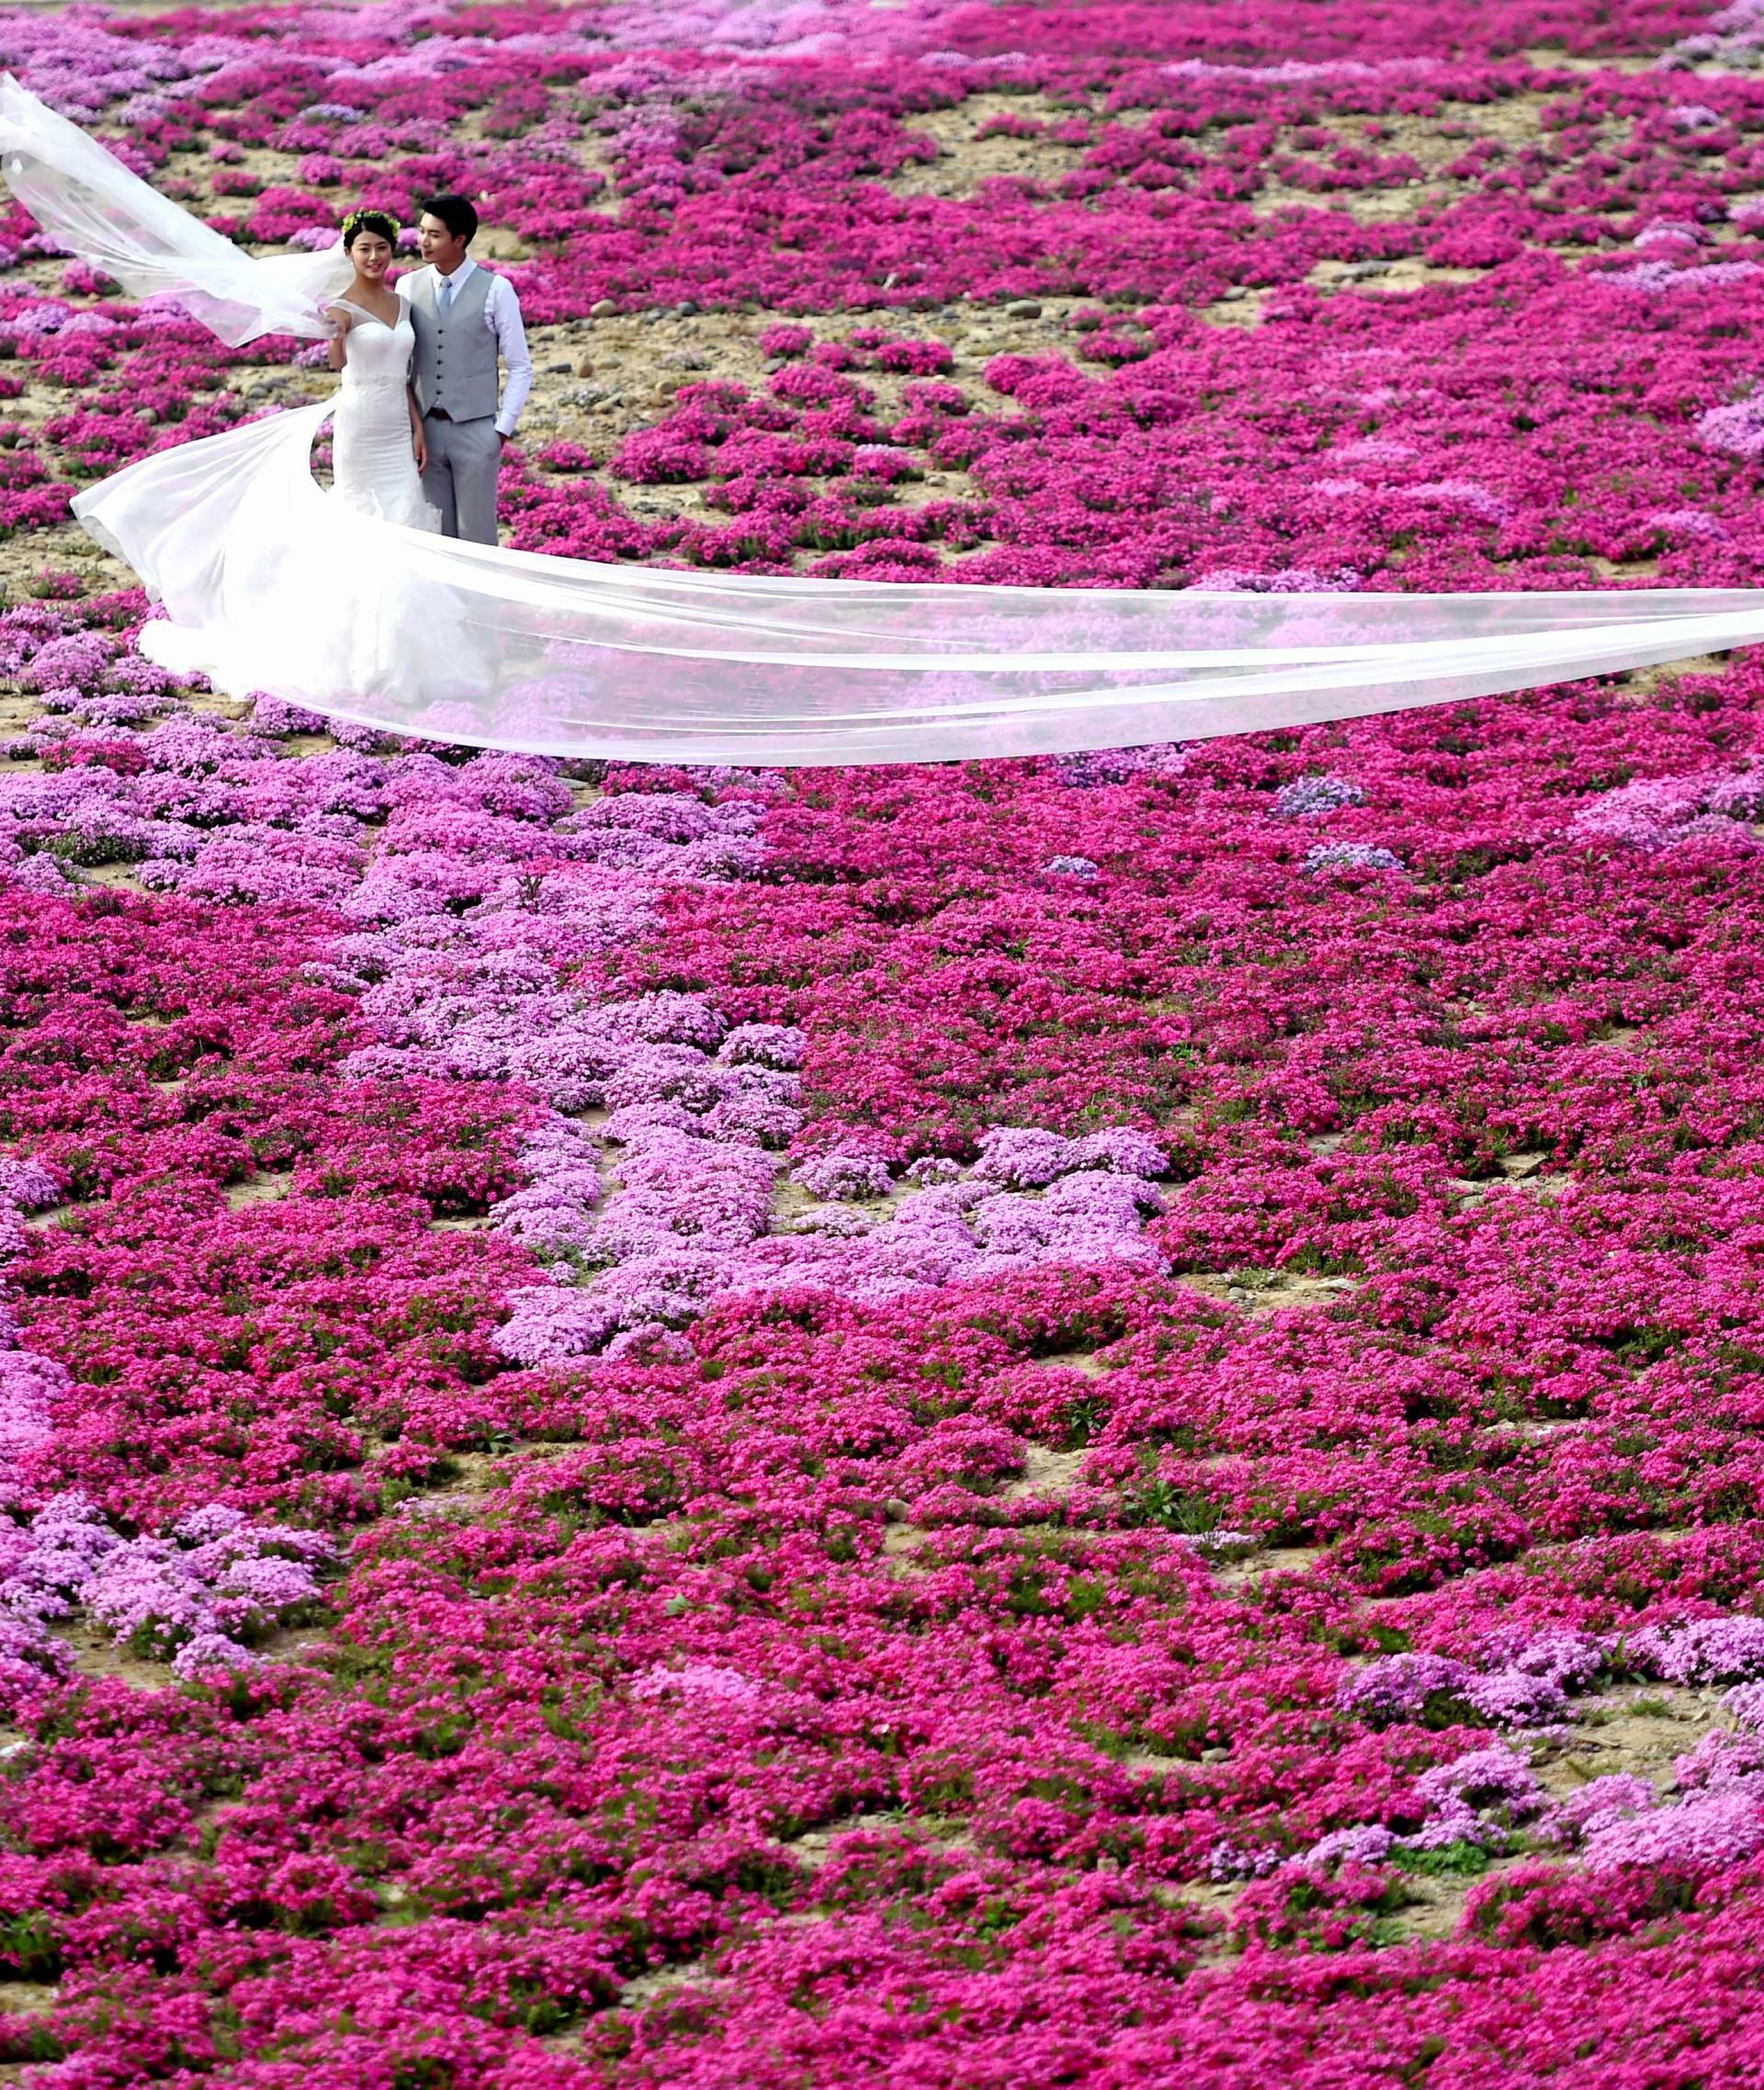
<point x="1640" y="1730"/>
<point x="1250" y="1571"/>
<point x="1270" y="1291"/>
<point x="1047" y="1474"/>
<point x="965" y="161"/>
<point x="94" y="1655"/>
<point x="256" y="1190"/>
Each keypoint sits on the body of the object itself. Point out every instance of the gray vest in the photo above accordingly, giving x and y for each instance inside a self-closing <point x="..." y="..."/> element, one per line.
<point x="456" y="362"/>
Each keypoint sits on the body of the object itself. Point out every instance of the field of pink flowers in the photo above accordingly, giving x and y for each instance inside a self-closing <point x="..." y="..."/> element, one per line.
<point x="1091" y="1422"/>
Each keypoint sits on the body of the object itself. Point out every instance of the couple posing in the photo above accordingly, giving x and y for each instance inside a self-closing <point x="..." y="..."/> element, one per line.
<point x="419" y="428"/>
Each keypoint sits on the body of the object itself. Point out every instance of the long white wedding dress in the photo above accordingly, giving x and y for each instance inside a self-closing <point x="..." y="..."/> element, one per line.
<point x="268" y="583"/>
<point x="397" y="628"/>
<point x="373" y="460"/>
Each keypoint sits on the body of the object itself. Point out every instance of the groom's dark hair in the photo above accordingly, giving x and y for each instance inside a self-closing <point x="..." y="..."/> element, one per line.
<point x="455" y="213"/>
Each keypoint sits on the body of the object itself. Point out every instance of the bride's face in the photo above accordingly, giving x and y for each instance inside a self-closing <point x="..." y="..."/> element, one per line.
<point x="371" y="255"/>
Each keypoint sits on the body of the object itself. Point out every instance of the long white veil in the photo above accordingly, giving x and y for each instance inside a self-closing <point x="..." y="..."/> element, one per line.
<point x="89" y="202"/>
<point x="271" y="584"/>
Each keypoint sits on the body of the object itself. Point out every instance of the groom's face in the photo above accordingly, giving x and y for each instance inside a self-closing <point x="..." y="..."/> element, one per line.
<point x="440" y="248"/>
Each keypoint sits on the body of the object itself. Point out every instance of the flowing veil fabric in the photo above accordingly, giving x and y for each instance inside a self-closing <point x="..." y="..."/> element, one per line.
<point x="84" y="198"/>
<point x="271" y="584"/>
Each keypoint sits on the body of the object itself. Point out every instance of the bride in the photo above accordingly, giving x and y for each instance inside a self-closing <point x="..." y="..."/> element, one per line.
<point x="378" y="451"/>
<point x="349" y="604"/>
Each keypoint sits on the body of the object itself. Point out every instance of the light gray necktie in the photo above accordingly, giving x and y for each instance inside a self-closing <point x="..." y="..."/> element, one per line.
<point x="446" y="295"/>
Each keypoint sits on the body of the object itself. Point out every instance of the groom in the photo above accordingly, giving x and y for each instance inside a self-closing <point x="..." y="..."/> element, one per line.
<point x="467" y="321"/>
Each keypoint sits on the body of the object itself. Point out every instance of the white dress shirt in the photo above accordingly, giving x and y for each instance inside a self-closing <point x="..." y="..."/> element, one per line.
<point x="502" y="316"/>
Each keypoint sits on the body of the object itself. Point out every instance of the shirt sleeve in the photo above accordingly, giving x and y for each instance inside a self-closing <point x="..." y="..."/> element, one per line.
<point x="502" y="309"/>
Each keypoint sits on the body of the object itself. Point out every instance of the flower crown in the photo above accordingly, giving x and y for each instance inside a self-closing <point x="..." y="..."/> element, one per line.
<point x="358" y="218"/>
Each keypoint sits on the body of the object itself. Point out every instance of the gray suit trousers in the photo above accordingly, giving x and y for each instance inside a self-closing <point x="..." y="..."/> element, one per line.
<point x="465" y="460"/>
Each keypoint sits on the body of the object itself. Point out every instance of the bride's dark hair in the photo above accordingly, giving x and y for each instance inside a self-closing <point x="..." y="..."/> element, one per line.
<point x="359" y="221"/>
